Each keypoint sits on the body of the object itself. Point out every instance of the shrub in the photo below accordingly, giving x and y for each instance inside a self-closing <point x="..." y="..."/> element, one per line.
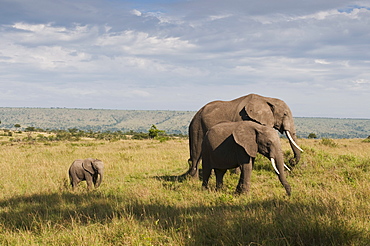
<point x="140" y="136"/>
<point x="366" y="140"/>
<point x="328" y="142"/>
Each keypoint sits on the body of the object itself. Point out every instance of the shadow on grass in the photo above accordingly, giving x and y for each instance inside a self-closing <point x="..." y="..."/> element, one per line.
<point x="269" y="222"/>
<point x="235" y="171"/>
<point x="173" y="178"/>
<point x="182" y="177"/>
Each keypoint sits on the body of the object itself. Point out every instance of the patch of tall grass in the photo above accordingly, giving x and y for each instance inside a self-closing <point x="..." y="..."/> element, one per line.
<point x="143" y="200"/>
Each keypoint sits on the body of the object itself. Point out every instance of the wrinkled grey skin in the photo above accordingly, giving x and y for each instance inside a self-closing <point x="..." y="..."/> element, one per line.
<point x="88" y="169"/>
<point x="271" y="112"/>
<point x="235" y="144"/>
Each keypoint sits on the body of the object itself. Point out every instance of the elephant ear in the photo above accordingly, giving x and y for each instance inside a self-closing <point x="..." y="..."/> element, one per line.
<point x="246" y="137"/>
<point x="260" y="111"/>
<point x="87" y="165"/>
<point x="97" y="164"/>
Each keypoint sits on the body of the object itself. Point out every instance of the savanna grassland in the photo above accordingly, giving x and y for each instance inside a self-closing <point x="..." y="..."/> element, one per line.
<point x="143" y="201"/>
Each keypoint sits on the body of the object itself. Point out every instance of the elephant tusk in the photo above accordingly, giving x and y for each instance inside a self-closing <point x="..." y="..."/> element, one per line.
<point x="287" y="167"/>
<point x="274" y="165"/>
<point x="292" y="141"/>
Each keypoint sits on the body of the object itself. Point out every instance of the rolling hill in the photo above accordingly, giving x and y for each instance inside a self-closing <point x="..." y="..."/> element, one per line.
<point x="174" y="122"/>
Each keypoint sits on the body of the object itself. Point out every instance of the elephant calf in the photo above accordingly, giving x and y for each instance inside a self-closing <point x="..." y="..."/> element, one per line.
<point x="235" y="144"/>
<point x="87" y="169"/>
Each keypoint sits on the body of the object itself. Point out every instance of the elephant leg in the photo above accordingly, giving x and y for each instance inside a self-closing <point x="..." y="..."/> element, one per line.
<point x="245" y="177"/>
<point x="220" y="178"/>
<point x="206" y="174"/>
<point x="193" y="168"/>
<point x="73" y="181"/>
<point x="74" y="184"/>
<point x="89" y="181"/>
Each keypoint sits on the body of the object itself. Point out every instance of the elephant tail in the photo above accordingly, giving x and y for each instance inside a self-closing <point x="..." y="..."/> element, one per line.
<point x="196" y="134"/>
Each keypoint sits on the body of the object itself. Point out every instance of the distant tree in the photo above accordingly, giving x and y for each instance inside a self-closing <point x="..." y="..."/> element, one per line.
<point x="17" y="125"/>
<point x="73" y="130"/>
<point x="30" y="129"/>
<point x="312" y="135"/>
<point x="367" y="140"/>
<point x="154" y="132"/>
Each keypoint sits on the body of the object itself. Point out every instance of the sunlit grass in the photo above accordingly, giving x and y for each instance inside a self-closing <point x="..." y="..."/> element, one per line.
<point x="143" y="202"/>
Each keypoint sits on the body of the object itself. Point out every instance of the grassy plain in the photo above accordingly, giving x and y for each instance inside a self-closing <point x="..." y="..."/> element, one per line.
<point x="142" y="202"/>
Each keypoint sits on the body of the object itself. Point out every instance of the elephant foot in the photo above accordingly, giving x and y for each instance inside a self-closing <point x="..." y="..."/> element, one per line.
<point x="194" y="174"/>
<point x="242" y="190"/>
<point x="219" y="187"/>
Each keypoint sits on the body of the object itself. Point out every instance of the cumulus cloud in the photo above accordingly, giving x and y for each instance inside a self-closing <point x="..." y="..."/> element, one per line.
<point x="182" y="54"/>
<point x="143" y="43"/>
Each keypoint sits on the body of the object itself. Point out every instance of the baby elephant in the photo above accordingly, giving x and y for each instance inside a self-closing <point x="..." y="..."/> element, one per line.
<point x="88" y="170"/>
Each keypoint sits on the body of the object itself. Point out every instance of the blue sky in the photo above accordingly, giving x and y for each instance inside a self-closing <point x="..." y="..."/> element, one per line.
<point x="179" y="55"/>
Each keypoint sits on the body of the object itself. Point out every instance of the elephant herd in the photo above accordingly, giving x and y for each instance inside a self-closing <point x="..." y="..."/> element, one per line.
<point x="226" y="135"/>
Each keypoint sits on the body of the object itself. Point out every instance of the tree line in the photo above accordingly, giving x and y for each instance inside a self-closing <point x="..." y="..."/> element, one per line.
<point x="74" y="134"/>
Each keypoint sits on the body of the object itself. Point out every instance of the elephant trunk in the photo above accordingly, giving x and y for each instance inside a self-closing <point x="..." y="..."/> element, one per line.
<point x="296" y="149"/>
<point x="275" y="168"/>
<point x="279" y="169"/>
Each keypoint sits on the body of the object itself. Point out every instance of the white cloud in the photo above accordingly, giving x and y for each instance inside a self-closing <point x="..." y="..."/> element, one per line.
<point x="214" y="51"/>
<point x="218" y="17"/>
<point x="47" y="33"/>
<point x="136" y="12"/>
<point x="319" y="61"/>
<point x="361" y="81"/>
<point x="43" y="57"/>
<point x="134" y="42"/>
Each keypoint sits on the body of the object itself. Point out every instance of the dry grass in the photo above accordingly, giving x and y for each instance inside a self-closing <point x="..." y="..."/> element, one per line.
<point x="142" y="201"/>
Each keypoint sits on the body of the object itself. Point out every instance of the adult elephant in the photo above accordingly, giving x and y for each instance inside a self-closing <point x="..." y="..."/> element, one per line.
<point x="271" y="112"/>
<point x="235" y="144"/>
